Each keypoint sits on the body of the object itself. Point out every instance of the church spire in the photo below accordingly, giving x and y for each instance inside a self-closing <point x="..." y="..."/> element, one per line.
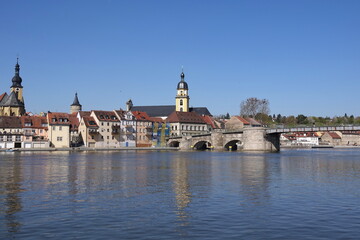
<point x="16" y="80"/>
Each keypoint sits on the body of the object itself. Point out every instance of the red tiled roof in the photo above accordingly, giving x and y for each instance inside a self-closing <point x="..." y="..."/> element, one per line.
<point x="185" y="117"/>
<point x="209" y="120"/>
<point x="84" y="113"/>
<point x="10" y="122"/>
<point x="141" y="116"/>
<point x="57" y="118"/>
<point x="108" y="116"/>
<point x="36" y="121"/>
<point x="74" y="121"/>
<point x="243" y="120"/>
<point x="90" y="122"/>
<point x="334" y="135"/>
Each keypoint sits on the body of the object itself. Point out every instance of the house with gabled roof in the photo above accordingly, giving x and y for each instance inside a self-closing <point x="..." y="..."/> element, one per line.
<point x="109" y="129"/>
<point x="331" y="138"/>
<point x="35" y="129"/>
<point x="144" y="129"/>
<point x="127" y="128"/>
<point x="89" y="131"/>
<point x="11" y="132"/>
<point x="59" y="129"/>
<point x="186" y="123"/>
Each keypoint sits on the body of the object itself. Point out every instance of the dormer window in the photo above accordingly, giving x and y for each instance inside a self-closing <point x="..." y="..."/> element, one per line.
<point x="107" y="116"/>
<point x="101" y="116"/>
<point x="54" y="120"/>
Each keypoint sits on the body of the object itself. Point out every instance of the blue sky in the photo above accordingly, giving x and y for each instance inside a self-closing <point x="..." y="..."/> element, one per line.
<point x="303" y="56"/>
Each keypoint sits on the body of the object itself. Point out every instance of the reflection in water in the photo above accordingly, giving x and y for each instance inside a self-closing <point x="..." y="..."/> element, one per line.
<point x="201" y="195"/>
<point x="254" y="178"/>
<point x="181" y="188"/>
<point x="10" y="187"/>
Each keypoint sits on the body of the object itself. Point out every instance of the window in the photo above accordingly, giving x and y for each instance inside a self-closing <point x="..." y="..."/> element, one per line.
<point x="60" y="128"/>
<point x="113" y="138"/>
<point x="18" y="138"/>
<point x="107" y="137"/>
<point x="108" y="130"/>
<point x="59" y="139"/>
<point x="181" y="102"/>
<point x="181" y="109"/>
<point x="1" y="138"/>
<point x="92" y="137"/>
<point x="41" y="131"/>
<point x="108" y="124"/>
<point x="53" y="128"/>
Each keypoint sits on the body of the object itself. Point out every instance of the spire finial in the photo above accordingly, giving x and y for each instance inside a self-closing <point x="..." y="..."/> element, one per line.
<point x="182" y="73"/>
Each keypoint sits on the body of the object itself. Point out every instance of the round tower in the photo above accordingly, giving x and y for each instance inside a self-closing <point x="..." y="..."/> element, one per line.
<point x="76" y="106"/>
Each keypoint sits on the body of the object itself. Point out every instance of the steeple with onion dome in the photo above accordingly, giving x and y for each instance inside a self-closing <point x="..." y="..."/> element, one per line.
<point x="182" y="97"/>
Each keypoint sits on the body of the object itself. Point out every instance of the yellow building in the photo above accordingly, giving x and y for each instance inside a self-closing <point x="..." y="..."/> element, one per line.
<point x="182" y="97"/>
<point x="59" y="129"/>
<point x="13" y="104"/>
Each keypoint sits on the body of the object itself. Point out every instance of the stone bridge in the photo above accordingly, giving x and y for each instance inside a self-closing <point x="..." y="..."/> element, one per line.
<point x="246" y="139"/>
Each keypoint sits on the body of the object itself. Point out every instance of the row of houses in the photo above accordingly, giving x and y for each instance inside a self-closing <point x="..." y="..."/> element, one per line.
<point x="106" y="129"/>
<point x="349" y="138"/>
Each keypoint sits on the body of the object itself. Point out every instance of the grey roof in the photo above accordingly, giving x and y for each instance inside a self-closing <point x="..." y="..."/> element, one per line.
<point x="200" y="110"/>
<point x="76" y="101"/>
<point x="166" y="110"/>
<point x="182" y="84"/>
<point x="16" y="80"/>
<point x="155" y="111"/>
<point x="11" y="101"/>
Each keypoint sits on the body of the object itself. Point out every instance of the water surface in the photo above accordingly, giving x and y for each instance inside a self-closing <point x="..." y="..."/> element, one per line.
<point x="294" y="194"/>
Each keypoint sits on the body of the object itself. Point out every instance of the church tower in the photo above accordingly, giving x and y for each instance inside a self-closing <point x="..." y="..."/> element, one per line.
<point x="182" y="97"/>
<point x="13" y="104"/>
<point x="16" y="83"/>
<point x="76" y="106"/>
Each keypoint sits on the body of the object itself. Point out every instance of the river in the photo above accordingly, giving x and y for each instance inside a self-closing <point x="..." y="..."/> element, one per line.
<point x="293" y="194"/>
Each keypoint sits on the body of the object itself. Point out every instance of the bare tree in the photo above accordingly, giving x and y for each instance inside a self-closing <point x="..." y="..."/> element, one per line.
<point x="253" y="107"/>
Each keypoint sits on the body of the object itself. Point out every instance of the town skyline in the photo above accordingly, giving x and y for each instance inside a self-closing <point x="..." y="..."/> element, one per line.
<point x="303" y="57"/>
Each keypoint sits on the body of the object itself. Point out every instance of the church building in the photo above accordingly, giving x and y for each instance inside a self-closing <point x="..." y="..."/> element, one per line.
<point x="13" y="104"/>
<point x="182" y="104"/>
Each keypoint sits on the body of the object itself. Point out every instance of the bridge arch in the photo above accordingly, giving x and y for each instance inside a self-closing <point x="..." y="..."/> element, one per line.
<point x="202" y="145"/>
<point x="233" y="145"/>
<point x="174" y="143"/>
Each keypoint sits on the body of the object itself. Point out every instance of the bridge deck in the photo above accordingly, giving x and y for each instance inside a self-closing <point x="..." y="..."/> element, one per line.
<point x="313" y="129"/>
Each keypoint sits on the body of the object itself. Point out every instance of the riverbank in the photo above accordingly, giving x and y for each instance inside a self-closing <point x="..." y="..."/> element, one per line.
<point x="81" y="149"/>
<point x="318" y="147"/>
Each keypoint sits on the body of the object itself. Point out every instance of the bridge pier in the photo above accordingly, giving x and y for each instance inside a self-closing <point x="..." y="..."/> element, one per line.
<point x="256" y="139"/>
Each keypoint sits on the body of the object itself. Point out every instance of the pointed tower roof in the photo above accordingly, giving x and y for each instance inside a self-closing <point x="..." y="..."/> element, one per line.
<point x="16" y="80"/>
<point x="76" y="101"/>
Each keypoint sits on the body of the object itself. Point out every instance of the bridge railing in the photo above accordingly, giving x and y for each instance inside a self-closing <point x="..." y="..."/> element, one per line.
<point x="313" y="129"/>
